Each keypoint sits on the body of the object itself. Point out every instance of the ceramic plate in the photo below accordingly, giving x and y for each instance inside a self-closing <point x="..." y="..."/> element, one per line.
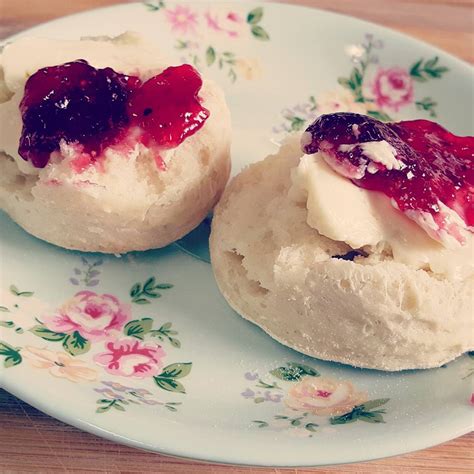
<point x="143" y="349"/>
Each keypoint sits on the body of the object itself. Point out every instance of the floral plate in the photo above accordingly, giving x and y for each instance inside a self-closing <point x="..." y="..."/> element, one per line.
<point x="143" y="349"/>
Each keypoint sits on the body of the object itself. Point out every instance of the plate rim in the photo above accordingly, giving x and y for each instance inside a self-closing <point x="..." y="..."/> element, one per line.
<point x="280" y="4"/>
<point x="92" y="428"/>
<point x="95" y="430"/>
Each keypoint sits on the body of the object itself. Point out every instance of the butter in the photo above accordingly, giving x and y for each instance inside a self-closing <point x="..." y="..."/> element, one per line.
<point x="341" y="211"/>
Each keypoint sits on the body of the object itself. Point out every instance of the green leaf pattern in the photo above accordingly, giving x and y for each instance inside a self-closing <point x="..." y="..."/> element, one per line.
<point x="255" y="16"/>
<point x="210" y="56"/>
<point x="155" y="5"/>
<point x="17" y="292"/>
<point x="225" y="60"/>
<point x="42" y="331"/>
<point x="427" y="105"/>
<point x="254" y="19"/>
<point x="74" y="344"/>
<point x="259" y="33"/>
<point x="142" y="293"/>
<point x="167" y="380"/>
<point x="364" y="412"/>
<point x="294" y="372"/>
<point x="106" y="404"/>
<point x="7" y="324"/>
<point x="11" y="355"/>
<point x="140" y="328"/>
<point x="424" y="70"/>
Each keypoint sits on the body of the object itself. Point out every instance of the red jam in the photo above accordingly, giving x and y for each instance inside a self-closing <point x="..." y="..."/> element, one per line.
<point x="95" y="108"/>
<point x="435" y="167"/>
<point x="167" y="108"/>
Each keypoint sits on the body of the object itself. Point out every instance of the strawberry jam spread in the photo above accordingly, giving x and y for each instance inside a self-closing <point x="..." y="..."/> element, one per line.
<point x="95" y="108"/>
<point x="426" y="171"/>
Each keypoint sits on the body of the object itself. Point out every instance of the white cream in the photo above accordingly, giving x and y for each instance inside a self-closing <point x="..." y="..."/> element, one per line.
<point x="344" y="212"/>
<point x="379" y="152"/>
<point x="129" y="53"/>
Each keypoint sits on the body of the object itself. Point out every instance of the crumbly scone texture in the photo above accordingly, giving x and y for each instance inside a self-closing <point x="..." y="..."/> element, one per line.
<point x="282" y="275"/>
<point x="130" y="204"/>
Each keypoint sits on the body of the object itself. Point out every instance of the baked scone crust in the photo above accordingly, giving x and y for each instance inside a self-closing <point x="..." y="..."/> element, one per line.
<point x="129" y="204"/>
<point x="279" y="273"/>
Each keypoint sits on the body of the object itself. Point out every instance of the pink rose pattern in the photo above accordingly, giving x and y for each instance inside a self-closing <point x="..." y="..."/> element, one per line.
<point x="95" y="317"/>
<point x="368" y="90"/>
<point x="182" y="19"/>
<point x="324" y="396"/>
<point x="393" y="88"/>
<point x="88" y="318"/>
<point x="185" y="21"/>
<point x="202" y="36"/>
<point x="230" y="24"/>
<point x="305" y="397"/>
<point x="130" y="357"/>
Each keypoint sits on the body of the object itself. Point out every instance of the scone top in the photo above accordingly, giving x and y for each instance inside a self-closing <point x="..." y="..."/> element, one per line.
<point x="87" y="109"/>
<point x="426" y="171"/>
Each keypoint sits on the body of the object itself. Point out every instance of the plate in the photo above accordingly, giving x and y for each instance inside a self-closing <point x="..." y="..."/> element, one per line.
<point x="143" y="349"/>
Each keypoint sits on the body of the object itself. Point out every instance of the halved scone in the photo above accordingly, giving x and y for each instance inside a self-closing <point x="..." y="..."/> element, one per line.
<point x="321" y="296"/>
<point x="138" y="191"/>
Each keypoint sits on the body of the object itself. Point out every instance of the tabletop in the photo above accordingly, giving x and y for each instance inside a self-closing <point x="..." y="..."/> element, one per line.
<point x="31" y="441"/>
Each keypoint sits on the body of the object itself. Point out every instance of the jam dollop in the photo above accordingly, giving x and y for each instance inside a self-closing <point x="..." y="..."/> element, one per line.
<point x="167" y="107"/>
<point x="425" y="170"/>
<point x="95" y="108"/>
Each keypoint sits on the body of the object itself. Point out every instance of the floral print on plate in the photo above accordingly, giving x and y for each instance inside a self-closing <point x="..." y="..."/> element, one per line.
<point x="206" y="38"/>
<point x="307" y="403"/>
<point x="92" y="335"/>
<point x="370" y="88"/>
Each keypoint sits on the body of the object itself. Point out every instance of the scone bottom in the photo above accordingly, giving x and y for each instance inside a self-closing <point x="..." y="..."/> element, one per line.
<point x="426" y="171"/>
<point x="94" y="109"/>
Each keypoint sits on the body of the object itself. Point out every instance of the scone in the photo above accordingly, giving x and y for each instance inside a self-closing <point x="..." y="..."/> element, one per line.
<point x="105" y="146"/>
<point x="344" y="267"/>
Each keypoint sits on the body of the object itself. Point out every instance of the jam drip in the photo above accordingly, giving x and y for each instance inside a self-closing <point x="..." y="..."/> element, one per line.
<point x="95" y="108"/>
<point x="426" y="171"/>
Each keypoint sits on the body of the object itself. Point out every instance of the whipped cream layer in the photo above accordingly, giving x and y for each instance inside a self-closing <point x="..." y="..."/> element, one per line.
<point x="367" y="220"/>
